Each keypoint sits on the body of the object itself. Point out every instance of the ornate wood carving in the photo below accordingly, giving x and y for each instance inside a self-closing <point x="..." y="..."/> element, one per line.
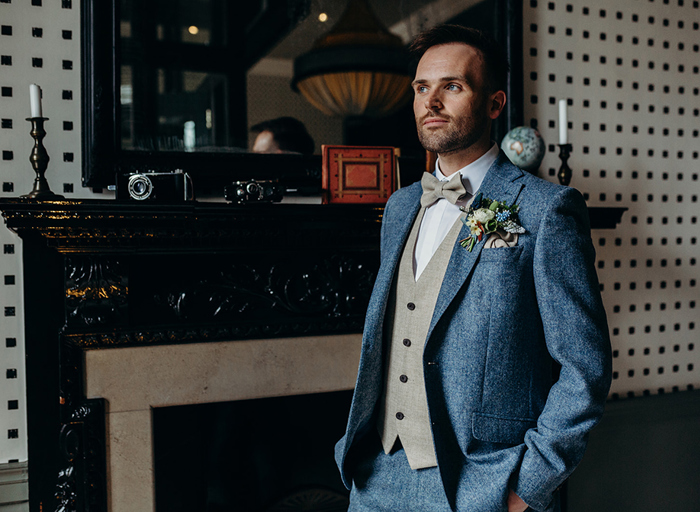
<point x="96" y="292"/>
<point x="208" y="298"/>
<point x="81" y="460"/>
<point x="329" y="287"/>
<point x="81" y="478"/>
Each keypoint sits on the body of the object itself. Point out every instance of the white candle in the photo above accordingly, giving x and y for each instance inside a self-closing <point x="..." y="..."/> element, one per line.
<point x="35" y="100"/>
<point x="563" y="123"/>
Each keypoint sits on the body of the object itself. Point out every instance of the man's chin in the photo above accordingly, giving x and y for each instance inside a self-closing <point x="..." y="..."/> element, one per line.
<point x="431" y="140"/>
<point x="436" y="146"/>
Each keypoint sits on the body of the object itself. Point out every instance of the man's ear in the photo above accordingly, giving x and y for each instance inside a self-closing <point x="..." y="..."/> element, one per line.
<point x="497" y="101"/>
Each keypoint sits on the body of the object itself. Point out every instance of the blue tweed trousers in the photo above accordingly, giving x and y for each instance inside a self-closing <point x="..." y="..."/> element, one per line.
<point x="384" y="482"/>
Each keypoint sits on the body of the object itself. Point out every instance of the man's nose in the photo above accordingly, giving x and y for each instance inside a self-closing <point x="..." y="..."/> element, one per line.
<point x="433" y="102"/>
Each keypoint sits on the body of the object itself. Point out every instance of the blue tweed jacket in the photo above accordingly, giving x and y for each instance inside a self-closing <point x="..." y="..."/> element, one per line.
<point x="502" y="315"/>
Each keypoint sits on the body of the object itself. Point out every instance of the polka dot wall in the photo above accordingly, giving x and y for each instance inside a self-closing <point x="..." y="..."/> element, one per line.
<point x="39" y="43"/>
<point x="629" y="71"/>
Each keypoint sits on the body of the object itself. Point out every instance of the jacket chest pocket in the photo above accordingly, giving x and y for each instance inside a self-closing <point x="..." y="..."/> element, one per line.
<point x="501" y="254"/>
<point x="502" y="267"/>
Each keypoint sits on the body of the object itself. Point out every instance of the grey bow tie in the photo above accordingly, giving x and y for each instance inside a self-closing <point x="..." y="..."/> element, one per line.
<point x="434" y="189"/>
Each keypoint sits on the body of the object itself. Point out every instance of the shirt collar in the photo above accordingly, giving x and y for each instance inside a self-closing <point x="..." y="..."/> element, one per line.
<point x="474" y="172"/>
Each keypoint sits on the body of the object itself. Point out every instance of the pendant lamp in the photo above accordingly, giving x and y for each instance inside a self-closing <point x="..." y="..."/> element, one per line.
<point x="359" y="68"/>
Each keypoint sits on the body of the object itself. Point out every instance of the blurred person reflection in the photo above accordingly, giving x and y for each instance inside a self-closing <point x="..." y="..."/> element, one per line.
<point x="282" y="135"/>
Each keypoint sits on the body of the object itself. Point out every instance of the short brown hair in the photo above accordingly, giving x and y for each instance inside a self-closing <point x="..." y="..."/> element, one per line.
<point x="495" y="59"/>
<point x="289" y="133"/>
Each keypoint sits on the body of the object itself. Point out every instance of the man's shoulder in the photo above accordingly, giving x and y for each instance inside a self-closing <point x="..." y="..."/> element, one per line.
<point x="405" y="196"/>
<point x="540" y="190"/>
<point x="535" y="188"/>
<point x="505" y="167"/>
<point x="539" y="196"/>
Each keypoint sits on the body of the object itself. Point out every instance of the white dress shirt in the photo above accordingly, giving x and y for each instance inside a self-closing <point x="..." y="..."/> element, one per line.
<point x="441" y="215"/>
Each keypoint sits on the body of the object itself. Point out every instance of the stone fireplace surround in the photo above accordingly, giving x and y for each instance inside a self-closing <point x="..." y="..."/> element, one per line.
<point x="196" y="373"/>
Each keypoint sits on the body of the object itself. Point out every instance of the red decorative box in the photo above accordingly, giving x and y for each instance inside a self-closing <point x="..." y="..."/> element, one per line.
<point x="358" y="174"/>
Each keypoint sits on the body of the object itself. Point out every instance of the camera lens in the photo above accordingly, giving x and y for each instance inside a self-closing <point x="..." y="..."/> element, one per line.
<point x="253" y="189"/>
<point x="140" y="187"/>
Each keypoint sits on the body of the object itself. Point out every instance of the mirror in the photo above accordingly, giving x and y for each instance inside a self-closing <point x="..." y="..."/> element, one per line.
<point x="177" y="84"/>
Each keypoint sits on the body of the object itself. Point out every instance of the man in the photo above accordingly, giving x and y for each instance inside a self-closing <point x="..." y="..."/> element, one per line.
<point x="282" y="135"/>
<point x="457" y="404"/>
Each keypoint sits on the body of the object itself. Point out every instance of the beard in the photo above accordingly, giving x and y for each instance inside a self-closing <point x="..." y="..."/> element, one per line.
<point x="460" y="132"/>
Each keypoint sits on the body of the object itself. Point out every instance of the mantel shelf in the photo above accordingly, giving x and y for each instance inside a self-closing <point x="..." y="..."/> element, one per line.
<point x="74" y="223"/>
<point x="86" y="225"/>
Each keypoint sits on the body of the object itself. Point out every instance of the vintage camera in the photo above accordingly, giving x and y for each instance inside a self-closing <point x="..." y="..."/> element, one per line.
<point x="254" y="191"/>
<point x="160" y="187"/>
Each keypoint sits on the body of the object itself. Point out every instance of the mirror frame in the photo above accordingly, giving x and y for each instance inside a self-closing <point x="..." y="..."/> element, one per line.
<point x="102" y="155"/>
<point x="99" y="113"/>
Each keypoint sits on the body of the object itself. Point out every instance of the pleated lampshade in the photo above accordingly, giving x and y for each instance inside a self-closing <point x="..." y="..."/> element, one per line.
<point x="357" y="69"/>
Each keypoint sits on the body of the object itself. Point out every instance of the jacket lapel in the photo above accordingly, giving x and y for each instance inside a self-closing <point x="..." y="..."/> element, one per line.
<point x="500" y="183"/>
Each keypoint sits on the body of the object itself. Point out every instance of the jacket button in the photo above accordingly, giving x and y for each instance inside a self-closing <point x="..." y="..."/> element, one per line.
<point x="403" y="379"/>
<point x="407" y="342"/>
<point x="411" y="306"/>
<point x="399" y="415"/>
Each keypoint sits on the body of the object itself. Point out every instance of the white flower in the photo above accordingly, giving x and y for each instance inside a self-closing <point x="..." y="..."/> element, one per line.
<point x="484" y="215"/>
<point x="473" y="226"/>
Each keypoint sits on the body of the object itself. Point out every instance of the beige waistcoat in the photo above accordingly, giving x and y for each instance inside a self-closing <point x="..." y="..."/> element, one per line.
<point x="404" y="406"/>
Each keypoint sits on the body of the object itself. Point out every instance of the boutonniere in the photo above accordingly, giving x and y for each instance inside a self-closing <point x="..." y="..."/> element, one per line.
<point x="485" y="216"/>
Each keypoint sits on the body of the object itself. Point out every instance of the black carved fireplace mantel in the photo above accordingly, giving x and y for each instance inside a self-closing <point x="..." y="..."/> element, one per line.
<point x="100" y="275"/>
<point x="137" y="273"/>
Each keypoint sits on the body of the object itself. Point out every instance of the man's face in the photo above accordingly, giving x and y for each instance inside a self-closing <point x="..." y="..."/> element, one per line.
<point x="451" y="103"/>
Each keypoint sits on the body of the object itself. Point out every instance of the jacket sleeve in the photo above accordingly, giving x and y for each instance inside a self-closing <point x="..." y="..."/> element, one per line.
<point x="576" y="334"/>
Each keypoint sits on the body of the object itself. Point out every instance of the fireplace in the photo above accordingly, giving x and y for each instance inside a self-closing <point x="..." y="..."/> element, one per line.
<point x="136" y="312"/>
<point x="251" y="455"/>
<point x="227" y="382"/>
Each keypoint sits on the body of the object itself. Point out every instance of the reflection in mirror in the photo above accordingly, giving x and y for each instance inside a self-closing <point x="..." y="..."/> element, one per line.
<point x="186" y="107"/>
<point x="174" y="87"/>
<point x="269" y="93"/>
<point x="166" y="103"/>
<point x="172" y="84"/>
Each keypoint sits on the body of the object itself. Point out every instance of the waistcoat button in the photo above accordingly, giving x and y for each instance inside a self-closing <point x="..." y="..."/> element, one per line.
<point x="399" y="415"/>
<point x="407" y="342"/>
<point x="411" y="306"/>
<point x="403" y="378"/>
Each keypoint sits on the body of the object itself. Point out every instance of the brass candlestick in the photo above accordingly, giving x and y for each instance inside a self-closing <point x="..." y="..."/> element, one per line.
<point x="564" y="170"/>
<point x="40" y="160"/>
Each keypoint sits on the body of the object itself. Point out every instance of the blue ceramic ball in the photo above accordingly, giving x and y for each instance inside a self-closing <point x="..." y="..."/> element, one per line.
<point x="525" y="147"/>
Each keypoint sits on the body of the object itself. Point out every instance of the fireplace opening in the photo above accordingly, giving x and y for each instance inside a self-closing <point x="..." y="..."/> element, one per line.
<point x="263" y="455"/>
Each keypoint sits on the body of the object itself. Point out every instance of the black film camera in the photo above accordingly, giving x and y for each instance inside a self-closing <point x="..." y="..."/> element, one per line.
<point x="254" y="191"/>
<point x="160" y="187"/>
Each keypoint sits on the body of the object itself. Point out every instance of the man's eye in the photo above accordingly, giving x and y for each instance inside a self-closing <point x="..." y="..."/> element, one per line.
<point x="453" y="87"/>
<point x="421" y="88"/>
